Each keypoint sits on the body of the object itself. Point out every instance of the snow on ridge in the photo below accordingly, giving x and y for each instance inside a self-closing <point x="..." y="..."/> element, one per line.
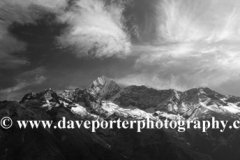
<point x="112" y="108"/>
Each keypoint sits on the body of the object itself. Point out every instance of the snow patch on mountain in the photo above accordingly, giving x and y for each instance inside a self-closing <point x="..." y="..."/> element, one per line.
<point x="136" y="113"/>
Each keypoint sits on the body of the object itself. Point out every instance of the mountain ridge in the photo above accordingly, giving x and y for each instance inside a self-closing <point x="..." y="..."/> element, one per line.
<point x="105" y="97"/>
<point x="105" y="100"/>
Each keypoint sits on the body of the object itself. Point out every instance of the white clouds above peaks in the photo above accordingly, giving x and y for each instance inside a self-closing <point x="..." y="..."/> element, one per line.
<point x="196" y="43"/>
<point x="193" y="20"/>
<point x="96" y="29"/>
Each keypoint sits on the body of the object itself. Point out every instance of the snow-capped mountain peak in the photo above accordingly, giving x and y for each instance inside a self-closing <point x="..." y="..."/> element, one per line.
<point x="104" y="98"/>
<point x="103" y="87"/>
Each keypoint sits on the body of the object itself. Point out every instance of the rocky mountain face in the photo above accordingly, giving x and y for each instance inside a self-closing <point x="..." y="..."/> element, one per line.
<point x="103" y="88"/>
<point x="192" y="104"/>
<point x="106" y="100"/>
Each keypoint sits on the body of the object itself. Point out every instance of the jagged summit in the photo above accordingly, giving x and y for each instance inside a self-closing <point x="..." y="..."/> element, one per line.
<point x="105" y="100"/>
<point x="103" y="88"/>
<point x="104" y="97"/>
<point x="47" y="94"/>
<point x="101" y="80"/>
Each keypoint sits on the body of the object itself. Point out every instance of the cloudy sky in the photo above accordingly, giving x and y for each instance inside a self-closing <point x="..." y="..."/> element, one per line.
<point x="65" y="44"/>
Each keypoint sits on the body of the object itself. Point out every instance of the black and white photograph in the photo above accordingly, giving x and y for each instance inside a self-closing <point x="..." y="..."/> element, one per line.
<point x="119" y="79"/>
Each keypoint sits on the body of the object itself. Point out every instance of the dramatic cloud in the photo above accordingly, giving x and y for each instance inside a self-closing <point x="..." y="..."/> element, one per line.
<point x="176" y="44"/>
<point x="189" y="21"/>
<point x="196" y="43"/>
<point x="22" y="12"/>
<point x="96" y="28"/>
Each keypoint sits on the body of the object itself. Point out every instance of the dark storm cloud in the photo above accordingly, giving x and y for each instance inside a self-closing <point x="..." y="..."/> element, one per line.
<point x="18" y="69"/>
<point x="22" y="12"/>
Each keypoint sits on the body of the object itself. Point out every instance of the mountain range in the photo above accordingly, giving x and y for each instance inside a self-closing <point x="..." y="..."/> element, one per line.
<point x="104" y="99"/>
